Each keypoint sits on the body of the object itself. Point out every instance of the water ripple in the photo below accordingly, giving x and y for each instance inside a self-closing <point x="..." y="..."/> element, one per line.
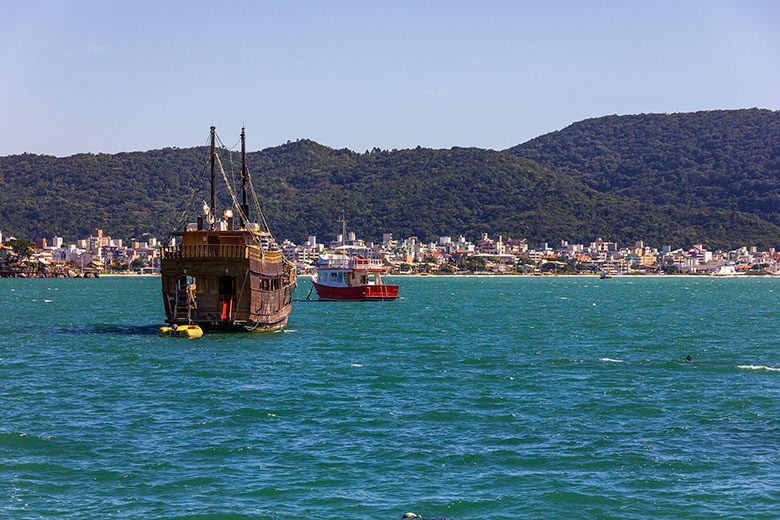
<point x="496" y="398"/>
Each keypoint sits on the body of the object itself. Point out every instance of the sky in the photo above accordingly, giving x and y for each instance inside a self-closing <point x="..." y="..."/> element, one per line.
<point x="106" y="77"/>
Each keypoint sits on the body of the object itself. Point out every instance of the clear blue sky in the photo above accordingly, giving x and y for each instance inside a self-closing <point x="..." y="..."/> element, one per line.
<point x="110" y="76"/>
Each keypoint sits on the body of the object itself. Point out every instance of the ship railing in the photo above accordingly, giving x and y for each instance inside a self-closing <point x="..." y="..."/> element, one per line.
<point x="205" y="251"/>
<point x="353" y="263"/>
<point x="367" y="263"/>
<point x="256" y="253"/>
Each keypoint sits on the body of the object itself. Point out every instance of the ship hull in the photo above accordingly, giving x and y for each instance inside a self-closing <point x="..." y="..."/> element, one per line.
<point x="226" y="287"/>
<point x="357" y="292"/>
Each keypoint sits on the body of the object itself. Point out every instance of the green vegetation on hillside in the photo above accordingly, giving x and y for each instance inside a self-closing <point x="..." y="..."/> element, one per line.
<point x="304" y="187"/>
<point x="726" y="159"/>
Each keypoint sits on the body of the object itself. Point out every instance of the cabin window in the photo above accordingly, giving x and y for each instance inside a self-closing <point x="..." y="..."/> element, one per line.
<point x="341" y="277"/>
<point x="333" y="276"/>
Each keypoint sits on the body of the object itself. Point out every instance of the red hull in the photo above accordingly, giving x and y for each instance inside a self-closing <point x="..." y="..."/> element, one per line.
<point x="359" y="292"/>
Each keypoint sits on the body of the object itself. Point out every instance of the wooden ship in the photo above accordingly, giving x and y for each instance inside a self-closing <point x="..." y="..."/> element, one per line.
<point x="224" y="272"/>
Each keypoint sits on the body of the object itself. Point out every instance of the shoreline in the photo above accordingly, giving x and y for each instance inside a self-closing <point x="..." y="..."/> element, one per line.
<point x="127" y="275"/>
<point x="595" y="276"/>
<point x="485" y="275"/>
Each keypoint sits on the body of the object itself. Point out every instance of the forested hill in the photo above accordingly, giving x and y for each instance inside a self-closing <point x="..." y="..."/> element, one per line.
<point x="304" y="187"/>
<point x="728" y="159"/>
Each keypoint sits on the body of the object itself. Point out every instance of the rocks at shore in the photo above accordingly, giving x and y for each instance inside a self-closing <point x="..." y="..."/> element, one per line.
<point x="46" y="273"/>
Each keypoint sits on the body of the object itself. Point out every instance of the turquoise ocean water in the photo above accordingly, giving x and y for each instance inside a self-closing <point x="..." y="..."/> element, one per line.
<point x="472" y="398"/>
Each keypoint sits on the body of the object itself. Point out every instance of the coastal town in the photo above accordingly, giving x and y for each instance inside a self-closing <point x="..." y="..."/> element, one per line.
<point x="100" y="254"/>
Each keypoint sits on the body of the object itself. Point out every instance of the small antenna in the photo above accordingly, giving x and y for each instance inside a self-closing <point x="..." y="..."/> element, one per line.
<point x="343" y="222"/>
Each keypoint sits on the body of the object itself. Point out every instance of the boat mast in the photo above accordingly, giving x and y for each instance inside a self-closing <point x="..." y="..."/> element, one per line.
<point x="213" y="183"/>
<point x="343" y="229"/>
<point x="244" y="206"/>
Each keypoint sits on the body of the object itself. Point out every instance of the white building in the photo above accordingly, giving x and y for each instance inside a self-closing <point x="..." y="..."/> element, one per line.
<point x="288" y="250"/>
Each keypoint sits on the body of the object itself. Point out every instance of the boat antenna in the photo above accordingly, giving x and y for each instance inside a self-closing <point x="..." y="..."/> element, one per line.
<point x="343" y="229"/>
<point x="244" y="206"/>
<point x="213" y="182"/>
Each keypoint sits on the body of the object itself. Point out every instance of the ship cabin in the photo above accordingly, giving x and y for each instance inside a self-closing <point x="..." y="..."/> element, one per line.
<point x="343" y="271"/>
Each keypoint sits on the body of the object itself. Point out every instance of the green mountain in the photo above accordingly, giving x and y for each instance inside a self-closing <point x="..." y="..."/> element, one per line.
<point x="469" y="191"/>
<point x="304" y="187"/>
<point x="726" y="159"/>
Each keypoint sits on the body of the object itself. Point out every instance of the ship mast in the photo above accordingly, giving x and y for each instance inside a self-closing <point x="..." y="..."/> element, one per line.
<point x="213" y="183"/>
<point x="343" y="229"/>
<point x="244" y="213"/>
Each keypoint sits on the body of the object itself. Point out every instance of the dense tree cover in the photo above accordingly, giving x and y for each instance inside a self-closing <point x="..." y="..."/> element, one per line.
<point x="728" y="159"/>
<point x="125" y="194"/>
<point x="304" y="187"/>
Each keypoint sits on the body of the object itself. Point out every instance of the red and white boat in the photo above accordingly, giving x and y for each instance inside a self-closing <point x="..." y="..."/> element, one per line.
<point x="341" y="277"/>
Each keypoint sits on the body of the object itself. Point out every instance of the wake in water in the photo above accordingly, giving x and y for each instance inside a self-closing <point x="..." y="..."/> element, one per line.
<point x="610" y="360"/>
<point x="759" y="367"/>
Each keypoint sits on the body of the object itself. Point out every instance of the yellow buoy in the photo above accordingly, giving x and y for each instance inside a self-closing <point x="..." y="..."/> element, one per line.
<point x="181" y="331"/>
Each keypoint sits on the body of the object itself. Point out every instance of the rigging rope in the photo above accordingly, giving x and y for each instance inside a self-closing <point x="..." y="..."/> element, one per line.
<point x="257" y="202"/>
<point x="230" y="156"/>
<point x="230" y="190"/>
<point x="232" y="193"/>
<point x="180" y="220"/>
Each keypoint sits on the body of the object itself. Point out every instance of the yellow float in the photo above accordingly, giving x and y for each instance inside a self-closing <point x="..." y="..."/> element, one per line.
<point x="181" y="331"/>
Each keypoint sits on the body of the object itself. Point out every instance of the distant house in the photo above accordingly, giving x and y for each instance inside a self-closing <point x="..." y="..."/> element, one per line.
<point x="84" y="259"/>
<point x="724" y="270"/>
<point x="5" y="252"/>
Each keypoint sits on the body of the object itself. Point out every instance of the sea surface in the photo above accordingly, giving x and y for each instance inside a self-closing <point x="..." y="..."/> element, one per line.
<point x="469" y="398"/>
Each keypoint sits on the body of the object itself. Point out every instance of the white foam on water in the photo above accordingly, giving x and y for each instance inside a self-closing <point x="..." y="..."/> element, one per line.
<point x="356" y="365"/>
<point x="289" y="330"/>
<point x="759" y="367"/>
<point x="48" y="301"/>
<point x="610" y="360"/>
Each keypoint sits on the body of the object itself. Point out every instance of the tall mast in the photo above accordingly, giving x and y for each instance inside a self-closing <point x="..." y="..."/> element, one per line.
<point x="244" y="205"/>
<point x="213" y="183"/>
